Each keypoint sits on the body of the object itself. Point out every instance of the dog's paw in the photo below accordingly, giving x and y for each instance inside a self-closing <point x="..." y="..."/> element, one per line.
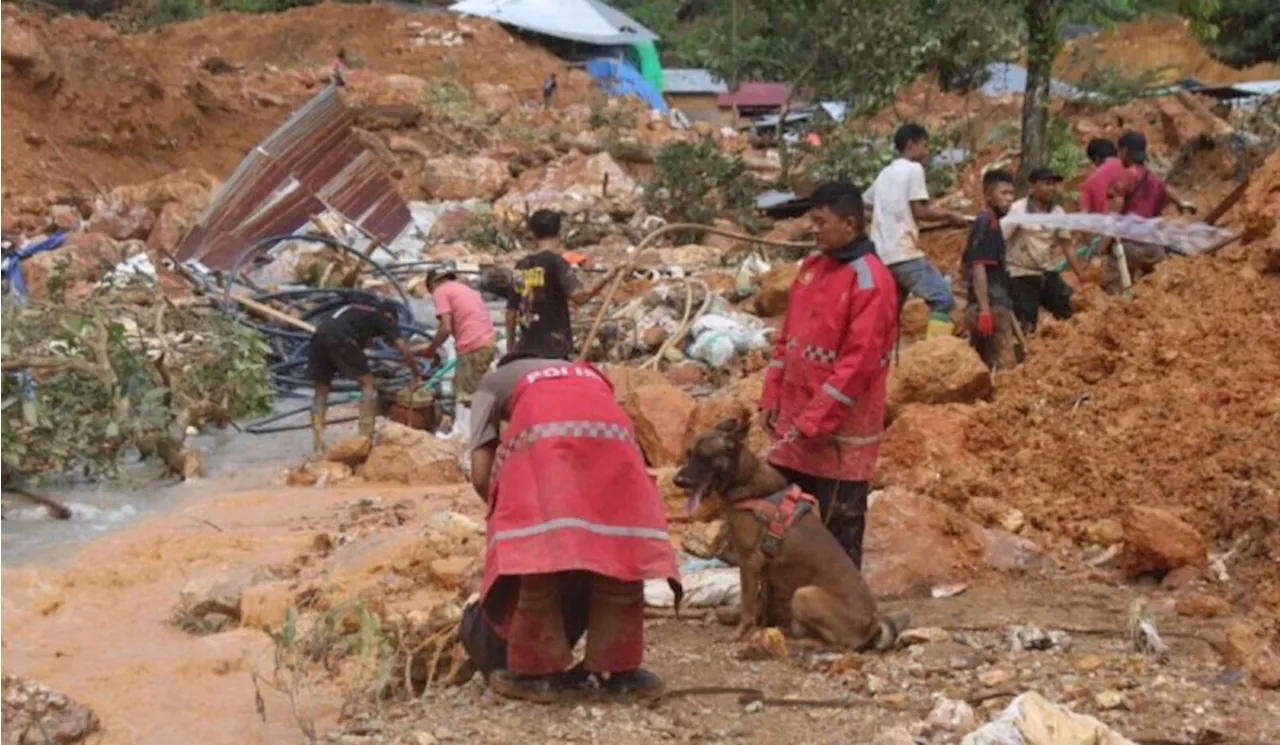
<point x="744" y="628"/>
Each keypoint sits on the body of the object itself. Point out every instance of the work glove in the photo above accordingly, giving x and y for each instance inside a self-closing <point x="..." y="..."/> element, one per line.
<point x="986" y="324"/>
<point x="1186" y="207"/>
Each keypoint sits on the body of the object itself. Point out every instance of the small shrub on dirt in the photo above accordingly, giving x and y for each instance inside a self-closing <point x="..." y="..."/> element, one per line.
<point x="848" y="154"/>
<point x="696" y="182"/>
<point x="487" y="229"/>
<point x="610" y="113"/>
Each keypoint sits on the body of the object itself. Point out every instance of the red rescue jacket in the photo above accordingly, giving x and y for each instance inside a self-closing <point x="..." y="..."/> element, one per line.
<point x="830" y="364"/>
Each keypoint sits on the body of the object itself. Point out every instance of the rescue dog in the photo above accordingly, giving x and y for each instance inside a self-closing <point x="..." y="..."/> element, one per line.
<point x="809" y="585"/>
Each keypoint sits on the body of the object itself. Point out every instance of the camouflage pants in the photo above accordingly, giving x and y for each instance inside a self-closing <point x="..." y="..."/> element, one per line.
<point x="471" y="368"/>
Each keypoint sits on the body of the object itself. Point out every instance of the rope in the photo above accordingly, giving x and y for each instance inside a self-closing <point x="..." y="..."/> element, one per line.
<point x="649" y="239"/>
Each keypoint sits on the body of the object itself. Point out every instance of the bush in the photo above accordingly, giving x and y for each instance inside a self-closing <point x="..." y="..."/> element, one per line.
<point x="695" y="182"/>
<point x="90" y="380"/>
<point x="849" y="154"/>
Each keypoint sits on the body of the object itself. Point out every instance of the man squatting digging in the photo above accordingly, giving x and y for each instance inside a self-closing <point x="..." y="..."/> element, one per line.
<point x="337" y="349"/>
<point x="574" y="521"/>
<point x="824" y="390"/>
<point x="988" y="315"/>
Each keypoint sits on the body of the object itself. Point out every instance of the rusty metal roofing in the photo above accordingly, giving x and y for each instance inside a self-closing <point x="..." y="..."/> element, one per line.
<point x="311" y="163"/>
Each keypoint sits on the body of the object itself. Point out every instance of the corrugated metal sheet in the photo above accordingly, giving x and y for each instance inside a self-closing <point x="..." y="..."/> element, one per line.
<point x="311" y="163"/>
<point x="691" y="80"/>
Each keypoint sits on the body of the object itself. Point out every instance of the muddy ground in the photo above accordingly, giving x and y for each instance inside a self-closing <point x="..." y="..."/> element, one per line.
<point x="100" y="629"/>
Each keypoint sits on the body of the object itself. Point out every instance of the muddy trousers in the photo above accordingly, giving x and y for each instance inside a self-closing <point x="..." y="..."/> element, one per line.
<point x="843" y="505"/>
<point x="536" y="641"/>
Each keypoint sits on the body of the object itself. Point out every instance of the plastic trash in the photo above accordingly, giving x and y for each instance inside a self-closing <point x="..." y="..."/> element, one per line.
<point x="718" y="338"/>
<point x="1031" y="720"/>
<point x="745" y="278"/>
<point x="706" y="588"/>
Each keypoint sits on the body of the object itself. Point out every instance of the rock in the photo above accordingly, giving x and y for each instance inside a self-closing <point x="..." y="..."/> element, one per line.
<point x="411" y="456"/>
<point x="573" y="185"/>
<point x="626" y="379"/>
<point x="190" y="188"/>
<point x="379" y="117"/>
<point x="660" y="412"/>
<point x="170" y="228"/>
<point x="913" y="543"/>
<point x="1155" y="540"/>
<point x="1008" y="552"/>
<point x="1199" y="605"/>
<point x="691" y="256"/>
<point x="1031" y="720"/>
<point x="913" y="321"/>
<point x="35" y="714"/>
<point x="722" y="243"/>
<point x="455" y="178"/>
<point x="1090" y="662"/>
<point x="895" y="736"/>
<point x="265" y="606"/>
<point x="82" y="260"/>
<point x="705" y="540"/>
<point x="121" y="220"/>
<point x="994" y="677"/>
<point x="926" y="635"/>
<point x="775" y="289"/>
<point x="64" y="217"/>
<point x="452" y="571"/>
<point x="989" y="512"/>
<point x="951" y="715"/>
<point x="944" y="657"/>
<point x="709" y="413"/>
<point x="1109" y="699"/>
<point x="27" y="56"/>
<point x="1104" y="532"/>
<point x="942" y="370"/>
<point x="685" y="374"/>
<point x="924" y="445"/>
<point x="350" y="450"/>
<point x="322" y="473"/>
<point x="220" y="593"/>
<point x="1244" y="642"/>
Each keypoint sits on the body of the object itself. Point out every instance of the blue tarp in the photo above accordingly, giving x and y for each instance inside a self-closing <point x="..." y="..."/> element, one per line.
<point x="624" y="80"/>
<point x="11" y="268"/>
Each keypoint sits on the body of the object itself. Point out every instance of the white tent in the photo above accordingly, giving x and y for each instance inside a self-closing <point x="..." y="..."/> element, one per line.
<point x="588" y="21"/>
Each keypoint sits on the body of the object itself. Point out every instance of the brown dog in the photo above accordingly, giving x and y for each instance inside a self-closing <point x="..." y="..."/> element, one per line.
<point x="810" y="585"/>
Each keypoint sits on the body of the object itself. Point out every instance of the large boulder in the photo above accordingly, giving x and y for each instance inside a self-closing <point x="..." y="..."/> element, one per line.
<point x="660" y="412"/>
<point x="82" y="261"/>
<point x="411" y="456"/>
<point x="573" y="185"/>
<point x="709" y="412"/>
<point x="943" y="370"/>
<point x="775" y="289"/>
<point x="121" y="220"/>
<point x="1156" y="540"/>
<point x="170" y="228"/>
<point x="914" y="543"/>
<point x="455" y="177"/>
<point x="923" y="445"/>
<point x="39" y="715"/>
<point x="190" y="189"/>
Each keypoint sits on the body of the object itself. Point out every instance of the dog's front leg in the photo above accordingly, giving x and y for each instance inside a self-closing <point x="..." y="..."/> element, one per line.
<point x="750" y="571"/>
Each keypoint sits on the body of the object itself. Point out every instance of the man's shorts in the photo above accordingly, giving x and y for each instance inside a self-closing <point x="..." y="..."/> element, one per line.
<point x="997" y="350"/>
<point x="1141" y="258"/>
<point x="471" y="368"/>
<point x="335" y="356"/>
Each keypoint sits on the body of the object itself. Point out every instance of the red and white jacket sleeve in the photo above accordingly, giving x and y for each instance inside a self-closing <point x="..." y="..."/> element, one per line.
<point x="850" y="377"/>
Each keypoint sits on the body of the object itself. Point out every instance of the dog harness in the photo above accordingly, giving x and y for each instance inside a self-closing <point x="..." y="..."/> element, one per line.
<point x="779" y="511"/>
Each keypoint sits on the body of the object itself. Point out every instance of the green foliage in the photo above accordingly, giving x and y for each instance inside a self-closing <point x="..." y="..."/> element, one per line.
<point x="447" y="97"/>
<point x="1064" y="154"/>
<point x="1246" y="32"/>
<point x="174" y="11"/>
<point x="611" y="113"/>
<point x="487" y="229"/>
<point x="696" y="182"/>
<point x="849" y="154"/>
<point x="1115" y="86"/>
<point x="102" y="382"/>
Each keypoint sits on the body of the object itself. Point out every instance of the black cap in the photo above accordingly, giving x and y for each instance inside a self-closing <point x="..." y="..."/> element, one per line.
<point x="1044" y="174"/>
<point x="1135" y="143"/>
<point x="441" y="272"/>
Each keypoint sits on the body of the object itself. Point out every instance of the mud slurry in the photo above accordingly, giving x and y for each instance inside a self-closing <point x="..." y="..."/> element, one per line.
<point x="100" y="631"/>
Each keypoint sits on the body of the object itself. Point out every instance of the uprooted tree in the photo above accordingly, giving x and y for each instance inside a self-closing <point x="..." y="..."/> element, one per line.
<point x="88" y="381"/>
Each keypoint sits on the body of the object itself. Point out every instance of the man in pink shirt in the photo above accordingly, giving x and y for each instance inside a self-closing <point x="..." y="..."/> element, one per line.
<point x="461" y="312"/>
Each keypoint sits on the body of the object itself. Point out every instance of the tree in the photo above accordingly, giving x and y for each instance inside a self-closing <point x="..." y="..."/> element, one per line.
<point x="1043" y="21"/>
<point x="1246" y="32"/>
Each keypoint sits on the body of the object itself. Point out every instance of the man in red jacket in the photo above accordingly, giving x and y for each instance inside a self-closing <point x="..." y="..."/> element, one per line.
<point x="824" y="393"/>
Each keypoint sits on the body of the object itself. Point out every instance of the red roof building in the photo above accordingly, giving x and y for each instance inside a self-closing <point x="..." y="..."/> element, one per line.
<point x="755" y="97"/>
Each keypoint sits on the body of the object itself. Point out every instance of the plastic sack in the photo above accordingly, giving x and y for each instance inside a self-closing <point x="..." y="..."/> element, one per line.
<point x="1032" y="720"/>
<point x="706" y="588"/>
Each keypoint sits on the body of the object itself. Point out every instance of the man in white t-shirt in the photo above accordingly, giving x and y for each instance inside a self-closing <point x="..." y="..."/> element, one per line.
<point x="899" y="200"/>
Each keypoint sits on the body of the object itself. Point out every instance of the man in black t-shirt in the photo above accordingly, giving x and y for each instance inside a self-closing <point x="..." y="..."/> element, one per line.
<point x="337" y="350"/>
<point x="538" y="319"/>
<point x="989" y="316"/>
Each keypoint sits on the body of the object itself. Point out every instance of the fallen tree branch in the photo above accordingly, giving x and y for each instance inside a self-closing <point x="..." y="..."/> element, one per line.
<point x="59" y="510"/>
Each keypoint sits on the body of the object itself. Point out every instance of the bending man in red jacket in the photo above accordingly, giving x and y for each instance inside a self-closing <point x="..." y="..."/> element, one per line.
<point x="824" y="392"/>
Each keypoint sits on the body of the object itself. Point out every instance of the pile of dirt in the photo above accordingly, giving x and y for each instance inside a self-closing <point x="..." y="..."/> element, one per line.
<point x="1167" y="401"/>
<point x="87" y="108"/>
<point x="1151" y="45"/>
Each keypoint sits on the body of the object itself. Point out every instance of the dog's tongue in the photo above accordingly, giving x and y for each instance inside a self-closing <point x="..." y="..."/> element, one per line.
<point x="695" y="498"/>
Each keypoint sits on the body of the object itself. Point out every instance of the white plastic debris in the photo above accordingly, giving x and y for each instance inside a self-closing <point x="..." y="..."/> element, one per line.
<point x="1031" y="720"/>
<point x="718" y="338"/>
<point x="706" y="588"/>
